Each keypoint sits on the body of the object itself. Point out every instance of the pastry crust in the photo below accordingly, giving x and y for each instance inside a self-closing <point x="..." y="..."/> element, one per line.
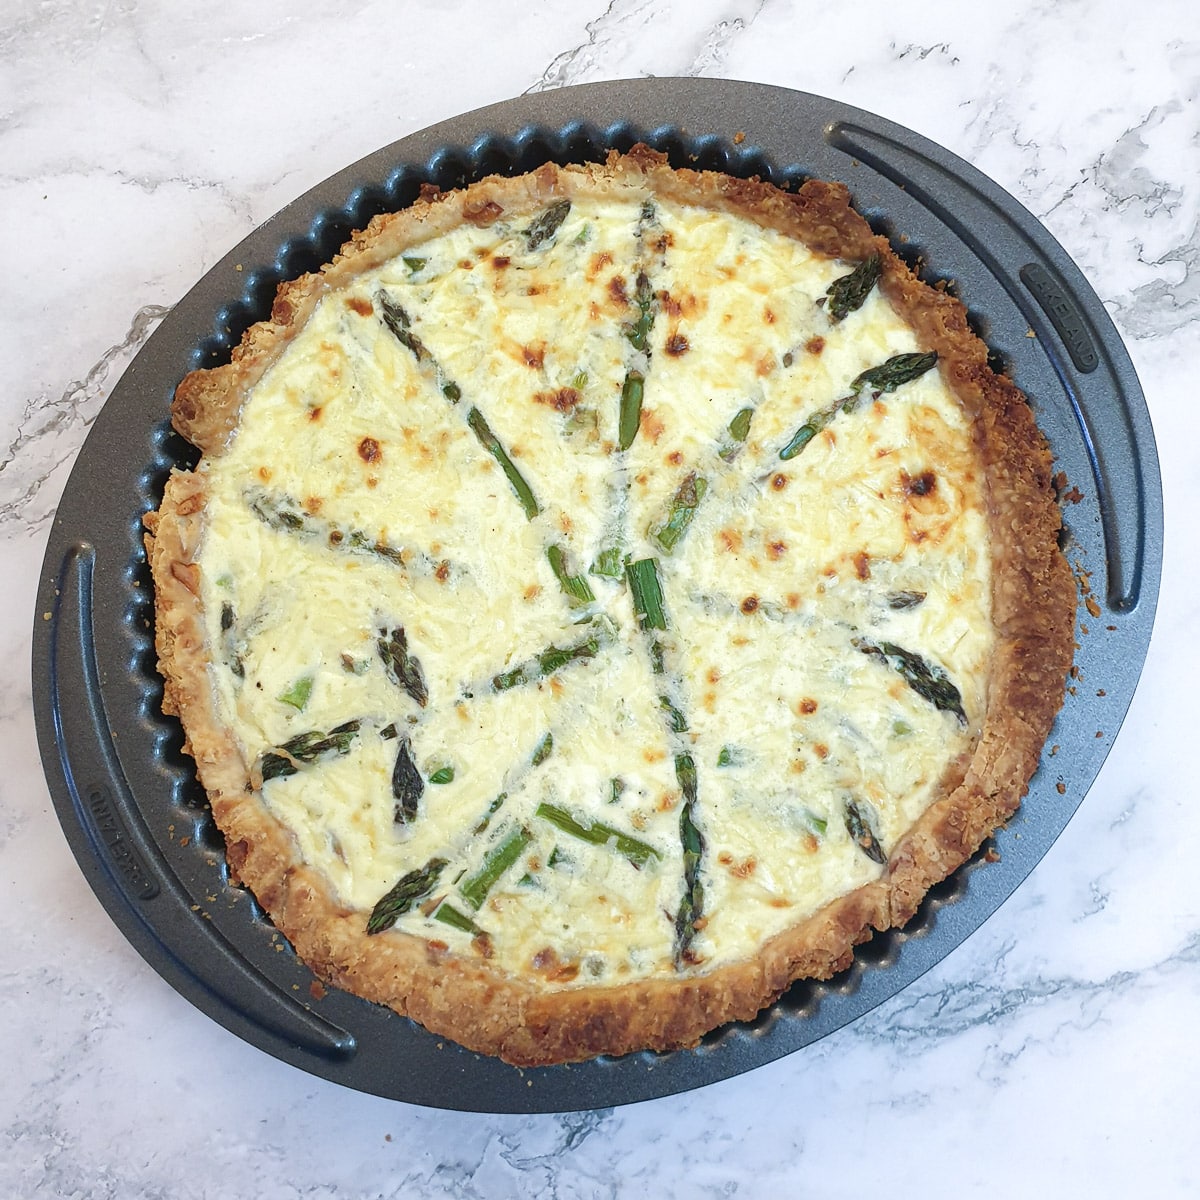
<point x="515" y="1017"/>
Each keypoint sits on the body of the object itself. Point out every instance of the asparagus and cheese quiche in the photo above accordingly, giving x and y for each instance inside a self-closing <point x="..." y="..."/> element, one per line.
<point x="605" y="596"/>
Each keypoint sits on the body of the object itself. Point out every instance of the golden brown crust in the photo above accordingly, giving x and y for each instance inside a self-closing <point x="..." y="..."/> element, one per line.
<point x="465" y="998"/>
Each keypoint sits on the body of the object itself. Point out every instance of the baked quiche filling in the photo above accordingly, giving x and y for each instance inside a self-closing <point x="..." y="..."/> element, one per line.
<point x="592" y="592"/>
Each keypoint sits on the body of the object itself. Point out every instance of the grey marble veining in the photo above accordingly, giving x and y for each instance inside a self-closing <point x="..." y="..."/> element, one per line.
<point x="1052" y="1053"/>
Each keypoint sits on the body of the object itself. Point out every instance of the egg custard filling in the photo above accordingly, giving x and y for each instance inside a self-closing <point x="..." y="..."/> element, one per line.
<point x="605" y="596"/>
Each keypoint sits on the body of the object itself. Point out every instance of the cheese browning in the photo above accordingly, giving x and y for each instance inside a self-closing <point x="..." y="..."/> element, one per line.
<point x="427" y="526"/>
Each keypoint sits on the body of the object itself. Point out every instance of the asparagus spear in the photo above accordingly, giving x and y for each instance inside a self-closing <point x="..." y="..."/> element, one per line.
<point x="297" y="694"/>
<point x="928" y="680"/>
<point x="639" y="332"/>
<point x="677" y="721"/>
<point x="895" y="372"/>
<point x="646" y="590"/>
<point x="286" y="515"/>
<point x="608" y="563"/>
<point x="399" y="323"/>
<point x="683" y="508"/>
<point x="407" y="785"/>
<point x="739" y="431"/>
<point x="403" y="668"/>
<point x="552" y="659"/>
<point x="859" y="828"/>
<point x="576" y="586"/>
<point x="449" y="915"/>
<point x="307" y="748"/>
<point x="229" y="643"/>
<point x="598" y="834"/>
<point x="405" y="895"/>
<point x="887" y="377"/>
<point x="691" y="905"/>
<point x="850" y="292"/>
<point x="540" y="754"/>
<point x="491" y="443"/>
<point x="498" y="859"/>
<point x="543" y="750"/>
<point x="632" y="392"/>
<point x="546" y="225"/>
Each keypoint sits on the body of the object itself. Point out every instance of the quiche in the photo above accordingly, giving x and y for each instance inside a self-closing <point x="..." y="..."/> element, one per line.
<point x="605" y="596"/>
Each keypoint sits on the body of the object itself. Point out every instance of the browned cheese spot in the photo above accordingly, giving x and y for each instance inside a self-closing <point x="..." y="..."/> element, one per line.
<point x="360" y="305"/>
<point x="862" y="565"/>
<point x="675" y="458"/>
<point x="651" y="425"/>
<point x="598" y="262"/>
<point x="534" y="355"/>
<point x="442" y="572"/>
<point x="776" y="550"/>
<point x="562" y="400"/>
<point x="806" y="707"/>
<point x="779" y="481"/>
<point x="769" y="315"/>
<point x="749" y="605"/>
<point x="815" y="345"/>
<point x="616" y="289"/>
<point x="369" y="450"/>
<point x="745" y="868"/>
<point x="547" y="962"/>
<point x="312" y="505"/>
<point x="677" y="345"/>
<point x="314" y="414"/>
<point x="731" y="541"/>
<point x="501" y="261"/>
<point x="264" y="473"/>
<point x="919" y="485"/>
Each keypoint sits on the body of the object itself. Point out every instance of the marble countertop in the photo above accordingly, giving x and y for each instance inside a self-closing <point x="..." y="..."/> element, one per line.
<point x="1052" y="1053"/>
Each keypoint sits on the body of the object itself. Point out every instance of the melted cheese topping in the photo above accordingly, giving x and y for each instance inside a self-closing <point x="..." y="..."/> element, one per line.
<point x="430" y="483"/>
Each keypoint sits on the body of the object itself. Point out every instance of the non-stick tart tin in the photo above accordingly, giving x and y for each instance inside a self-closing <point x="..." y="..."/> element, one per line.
<point x="128" y="799"/>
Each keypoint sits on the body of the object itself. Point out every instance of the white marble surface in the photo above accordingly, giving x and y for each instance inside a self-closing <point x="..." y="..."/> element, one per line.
<point x="1055" y="1053"/>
